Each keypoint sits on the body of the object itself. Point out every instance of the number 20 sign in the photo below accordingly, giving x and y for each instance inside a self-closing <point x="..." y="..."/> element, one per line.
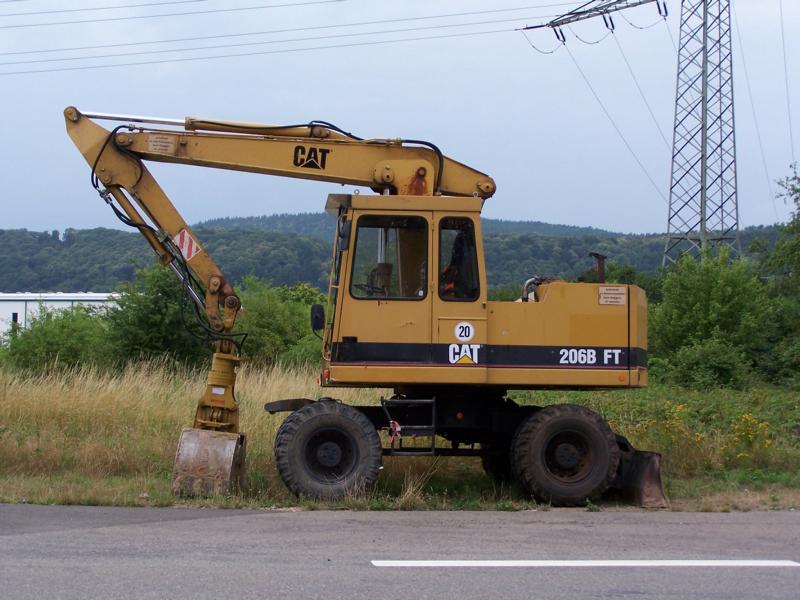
<point x="464" y="331"/>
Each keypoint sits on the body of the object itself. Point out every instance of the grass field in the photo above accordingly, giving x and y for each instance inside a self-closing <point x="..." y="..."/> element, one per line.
<point x="86" y="437"/>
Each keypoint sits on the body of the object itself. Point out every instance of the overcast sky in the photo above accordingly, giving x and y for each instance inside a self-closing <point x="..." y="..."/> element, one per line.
<point x="488" y="100"/>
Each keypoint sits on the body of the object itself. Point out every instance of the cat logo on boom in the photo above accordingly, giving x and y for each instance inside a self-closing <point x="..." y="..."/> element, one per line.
<point x="310" y="158"/>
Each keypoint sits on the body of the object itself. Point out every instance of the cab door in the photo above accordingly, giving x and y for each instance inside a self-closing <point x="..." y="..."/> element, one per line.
<point x="459" y="327"/>
<point x="386" y="301"/>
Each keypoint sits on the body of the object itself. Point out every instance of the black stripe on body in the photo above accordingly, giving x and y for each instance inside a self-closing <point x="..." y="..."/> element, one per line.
<point x="497" y="356"/>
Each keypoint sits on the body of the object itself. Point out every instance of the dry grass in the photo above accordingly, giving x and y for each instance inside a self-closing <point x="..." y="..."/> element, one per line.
<point x="90" y="437"/>
<point x="80" y="427"/>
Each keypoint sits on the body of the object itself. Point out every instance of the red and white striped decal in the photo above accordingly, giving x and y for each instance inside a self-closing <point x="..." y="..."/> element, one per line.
<point x="187" y="244"/>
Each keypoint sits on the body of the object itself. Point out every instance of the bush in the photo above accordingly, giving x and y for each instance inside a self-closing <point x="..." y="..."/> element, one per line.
<point x="782" y="268"/>
<point x="146" y="321"/>
<point x="146" y="324"/>
<point x="714" y="323"/>
<point x="61" y="338"/>
<point x="709" y="364"/>
<point x="277" y="323"/>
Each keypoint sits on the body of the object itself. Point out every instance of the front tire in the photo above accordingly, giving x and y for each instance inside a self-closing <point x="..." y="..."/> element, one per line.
<point x="565" y="455"/>
<point x="327" y="451"/>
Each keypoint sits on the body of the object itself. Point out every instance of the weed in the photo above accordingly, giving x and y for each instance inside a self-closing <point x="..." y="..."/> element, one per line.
<point x="592" y="507"/>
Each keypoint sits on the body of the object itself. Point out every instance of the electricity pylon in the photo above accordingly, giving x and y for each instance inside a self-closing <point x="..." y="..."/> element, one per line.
<point x="703" y="207"/>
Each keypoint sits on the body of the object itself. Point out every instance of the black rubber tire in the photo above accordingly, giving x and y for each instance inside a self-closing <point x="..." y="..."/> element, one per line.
<point x="497" y="465"/>
<point x="327" y="450"/>
<point x="565" y="455"/>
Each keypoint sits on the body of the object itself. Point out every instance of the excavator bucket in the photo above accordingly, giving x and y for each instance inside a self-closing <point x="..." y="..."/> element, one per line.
<point x="208" y="463"/>
<point x="638" y="477"/>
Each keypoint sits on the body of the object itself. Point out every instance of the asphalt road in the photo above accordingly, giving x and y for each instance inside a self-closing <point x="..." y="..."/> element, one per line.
<point x="89" y="552"/>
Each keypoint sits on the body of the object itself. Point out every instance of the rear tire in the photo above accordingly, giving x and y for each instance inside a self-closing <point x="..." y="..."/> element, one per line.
<point x="565" y="455"/>
<point x="327" y="451"/>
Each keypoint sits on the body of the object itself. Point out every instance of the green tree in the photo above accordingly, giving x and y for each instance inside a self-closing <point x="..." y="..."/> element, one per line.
<point x="61" y="338"/>
<point x="783" y="263"/>
<point x="277" y="322"/>
<point x="147" y="322"/>
<point x="715" y="314"/>
<point x="782" y="268"/>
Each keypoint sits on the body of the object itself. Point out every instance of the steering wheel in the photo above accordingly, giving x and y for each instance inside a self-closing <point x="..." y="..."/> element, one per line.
<point x="370" y="291"/>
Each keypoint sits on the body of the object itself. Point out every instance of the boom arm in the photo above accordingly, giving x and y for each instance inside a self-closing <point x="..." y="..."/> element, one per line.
<point x="316" y="151"/>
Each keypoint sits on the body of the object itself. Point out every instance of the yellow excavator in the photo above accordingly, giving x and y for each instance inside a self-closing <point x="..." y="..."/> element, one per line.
<point x="407" y="309"/>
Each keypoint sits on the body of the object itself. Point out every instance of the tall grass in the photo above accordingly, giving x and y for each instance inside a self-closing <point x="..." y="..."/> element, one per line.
<point x="91" y="424"/>
<point x="94" y="437"/>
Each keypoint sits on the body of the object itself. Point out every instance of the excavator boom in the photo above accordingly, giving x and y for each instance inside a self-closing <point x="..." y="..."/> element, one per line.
<point x="314" y="151"/>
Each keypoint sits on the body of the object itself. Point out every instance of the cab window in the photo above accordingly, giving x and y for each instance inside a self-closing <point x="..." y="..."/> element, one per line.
<point x="458" y="260"/>
<point x="391" y="258"/>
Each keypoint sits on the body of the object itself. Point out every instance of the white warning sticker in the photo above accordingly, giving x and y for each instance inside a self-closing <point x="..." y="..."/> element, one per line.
<point x="616" y="294"/>
<point x="159" y="143"/>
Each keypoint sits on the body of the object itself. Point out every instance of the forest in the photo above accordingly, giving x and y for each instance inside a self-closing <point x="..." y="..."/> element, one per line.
<point x="287" y="249"/>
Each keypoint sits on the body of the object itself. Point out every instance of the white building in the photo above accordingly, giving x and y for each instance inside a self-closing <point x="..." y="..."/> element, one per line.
<point x="21" y="307"/>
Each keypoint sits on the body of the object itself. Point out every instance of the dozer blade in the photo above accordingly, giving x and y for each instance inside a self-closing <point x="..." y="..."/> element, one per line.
<point x="208" y="463"/>
<point x="639" y="476"/>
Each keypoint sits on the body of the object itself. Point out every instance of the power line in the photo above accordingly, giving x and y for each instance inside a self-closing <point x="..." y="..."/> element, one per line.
<point x="641" y="92"/>
<point x="530" y="43"/>
<point x="786" y="80"/>
<point x="770" y="189"/>
<point x="244" y="44"/>
<point x="588" y="42"/>
<point x="671" y="37"/>
<point x="260" y="53"/>
<point x="290" y="30"/>
<point x="96" y="8"/>
<point x="614" y="125"/>
<point x="642" y="27"/>
<point x="176" y="14"/>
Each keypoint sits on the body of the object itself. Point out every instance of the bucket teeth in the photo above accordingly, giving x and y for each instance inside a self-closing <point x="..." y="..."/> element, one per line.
<point x="208" y="463"/>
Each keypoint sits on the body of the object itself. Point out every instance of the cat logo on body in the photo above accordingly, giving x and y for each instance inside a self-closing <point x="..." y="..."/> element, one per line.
<point x="310" y="158"/>
<point x="464" y="354"/>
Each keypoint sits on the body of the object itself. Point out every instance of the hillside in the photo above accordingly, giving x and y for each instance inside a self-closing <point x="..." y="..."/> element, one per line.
<point x="284" y="249"/>
<point x="320" y="225"/>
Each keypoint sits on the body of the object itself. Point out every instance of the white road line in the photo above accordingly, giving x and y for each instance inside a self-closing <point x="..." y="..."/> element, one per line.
<point x="584" y="563"/>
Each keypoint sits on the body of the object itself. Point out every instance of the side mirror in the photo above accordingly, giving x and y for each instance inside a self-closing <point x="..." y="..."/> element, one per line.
<point x="317" y="317"/>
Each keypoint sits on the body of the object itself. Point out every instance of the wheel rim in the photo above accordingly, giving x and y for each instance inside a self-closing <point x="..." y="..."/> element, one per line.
<point x="568" y="456"/>
<point x="331" y="454"/>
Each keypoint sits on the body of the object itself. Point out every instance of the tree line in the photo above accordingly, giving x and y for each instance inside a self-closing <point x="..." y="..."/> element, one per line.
<point x="295" y="250"/>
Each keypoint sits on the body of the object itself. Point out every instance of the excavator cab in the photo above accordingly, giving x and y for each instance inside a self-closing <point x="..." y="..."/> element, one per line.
<point x="404" y="276"/>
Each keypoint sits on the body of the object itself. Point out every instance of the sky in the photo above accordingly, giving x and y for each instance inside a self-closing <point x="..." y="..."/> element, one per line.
<point x="480" y="92"/>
